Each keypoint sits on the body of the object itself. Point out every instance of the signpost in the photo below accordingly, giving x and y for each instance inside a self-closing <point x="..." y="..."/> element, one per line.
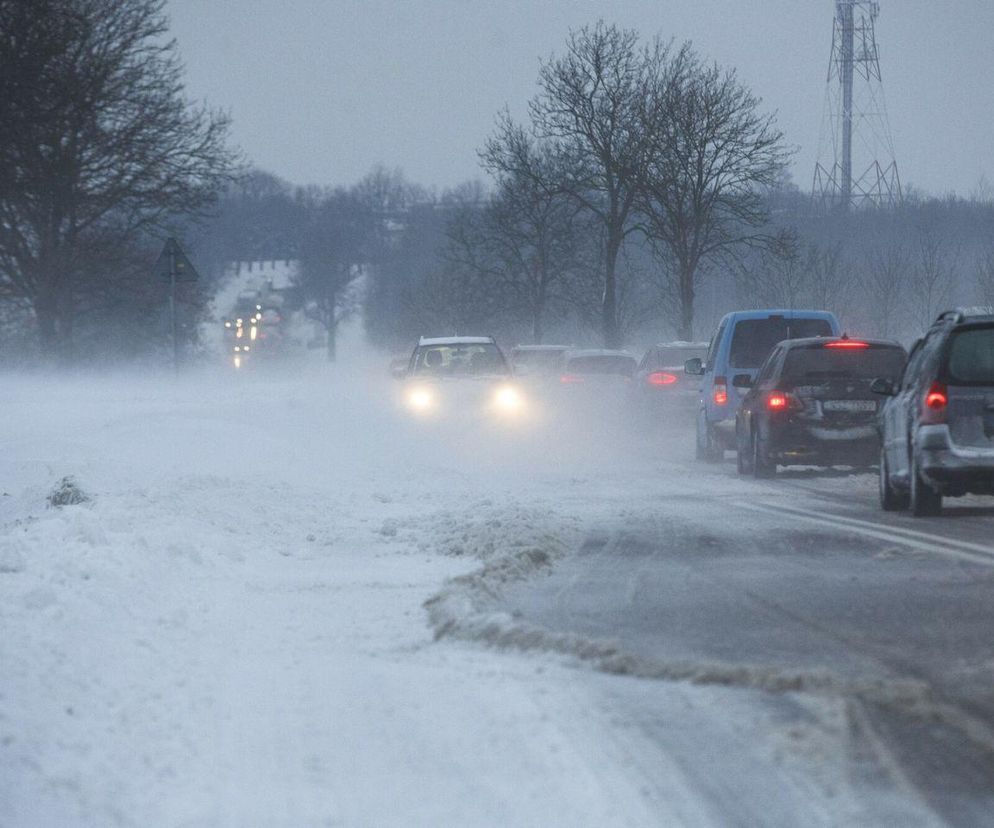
<point x="173" y="265"/>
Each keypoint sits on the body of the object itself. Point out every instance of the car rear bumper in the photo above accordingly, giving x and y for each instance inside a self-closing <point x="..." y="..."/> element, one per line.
<point x="819" y="445"/>
<point x="954" y="469"/>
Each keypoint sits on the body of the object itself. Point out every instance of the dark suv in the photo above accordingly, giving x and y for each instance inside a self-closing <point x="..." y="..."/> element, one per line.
<point x="811" y="403"/>
<point x="938" y="423"/>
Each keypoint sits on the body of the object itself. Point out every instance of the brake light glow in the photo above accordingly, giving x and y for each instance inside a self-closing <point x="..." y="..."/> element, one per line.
<point x="720" y="393"/>
<point x="660" y="378"/>
<point x="571" y="379"/>
<point x="777" y="401"/>
<point x="847" y="343"/>
<point x="936" y="400"/>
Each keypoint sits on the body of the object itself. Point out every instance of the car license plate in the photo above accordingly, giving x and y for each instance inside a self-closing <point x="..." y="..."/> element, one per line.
<point x="849" y="405"/>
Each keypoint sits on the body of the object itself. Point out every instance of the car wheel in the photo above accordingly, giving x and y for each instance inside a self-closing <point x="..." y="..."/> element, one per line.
<point x="743" y="456"/>
<point x="762" y="465"/>
<point x="891" y="500"/>
<point x="708" y="448"/>
<point x="925" y="501"/>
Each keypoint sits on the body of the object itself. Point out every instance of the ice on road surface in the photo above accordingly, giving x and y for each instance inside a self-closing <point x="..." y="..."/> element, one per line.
<point x="231" y="629"/>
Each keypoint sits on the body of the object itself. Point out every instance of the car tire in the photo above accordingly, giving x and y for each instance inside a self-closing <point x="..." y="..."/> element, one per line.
<point x="743" y="456"/>
<point x="762" y="466"/>
<point x="891" y="500"/>
<point x="708" y="448"/>
<point x="925" y="501"/>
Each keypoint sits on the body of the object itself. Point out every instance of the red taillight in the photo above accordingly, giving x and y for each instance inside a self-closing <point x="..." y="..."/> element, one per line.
<point x="720" y="393"/>
<point x="847" y="343"/>
<point x="782" y="401"/>
<point x="777" y="401"/>
<point x="660" y="378"/>
<point x="936" y="400"/>
<point x="570" y="379"/>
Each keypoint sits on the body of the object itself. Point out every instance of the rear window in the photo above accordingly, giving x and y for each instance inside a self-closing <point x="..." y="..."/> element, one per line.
<point x="971" y="357"/>
<point x="754" y="338"/>
<point x="676" y="356"/>
<point x="602" y="365"/>
<point x="538" y="360"/>
<point x="819" y="362"/>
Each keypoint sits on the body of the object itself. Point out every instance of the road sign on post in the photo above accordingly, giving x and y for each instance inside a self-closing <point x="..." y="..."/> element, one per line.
<point x="173" y="265"/>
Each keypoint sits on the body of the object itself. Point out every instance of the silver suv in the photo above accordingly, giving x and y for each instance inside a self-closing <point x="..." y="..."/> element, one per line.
<point x="937" y="427"/>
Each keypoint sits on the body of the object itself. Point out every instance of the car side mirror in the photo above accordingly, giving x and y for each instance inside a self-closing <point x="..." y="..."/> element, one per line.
<point x="694" y="367"/>
<point x="742" y="381"/>
<point x="398" y="370"/>
<point x="883" y="386"/>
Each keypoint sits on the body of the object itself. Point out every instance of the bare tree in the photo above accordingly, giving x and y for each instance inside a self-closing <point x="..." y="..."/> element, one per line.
<point x="773" y="276"/>
<point x="931" y="278"/>
<point x="985" y="275"/>
<point x="712" y="155"/>
<point x="97" y="142"/>
<point x="530" y="228"/>
<point x="334" y="250"/>
<point x="885" y="285"/>
<point x="830" y="278"/>
<point x="587" y="111"/>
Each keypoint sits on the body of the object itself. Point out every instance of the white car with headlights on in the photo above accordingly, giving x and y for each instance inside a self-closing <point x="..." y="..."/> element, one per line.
<point x="462" y="376"/>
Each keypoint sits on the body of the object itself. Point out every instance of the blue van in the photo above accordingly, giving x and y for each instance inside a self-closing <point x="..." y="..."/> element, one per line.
<point x="740" y="345"/>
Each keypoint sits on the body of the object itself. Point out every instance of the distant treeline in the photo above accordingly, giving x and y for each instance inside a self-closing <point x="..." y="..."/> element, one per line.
<point x="884" y="272"/>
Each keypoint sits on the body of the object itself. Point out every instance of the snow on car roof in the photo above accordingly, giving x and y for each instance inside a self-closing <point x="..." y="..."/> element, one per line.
<point x="596" y="352"/>
<point x="456" y="340"/>
<point x="977" y="310"/>
<point x="680" y="344"/>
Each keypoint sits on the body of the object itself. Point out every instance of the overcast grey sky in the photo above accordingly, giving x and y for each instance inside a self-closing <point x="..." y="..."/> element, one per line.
<point x="321" y="90"/>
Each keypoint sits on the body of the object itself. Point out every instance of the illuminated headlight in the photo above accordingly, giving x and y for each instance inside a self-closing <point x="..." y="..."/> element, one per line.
<point x="420" y="399"/>
<point x="508" y="398"/>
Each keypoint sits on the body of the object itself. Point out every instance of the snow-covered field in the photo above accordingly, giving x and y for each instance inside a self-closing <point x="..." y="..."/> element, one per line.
<point x="232" y="629"/>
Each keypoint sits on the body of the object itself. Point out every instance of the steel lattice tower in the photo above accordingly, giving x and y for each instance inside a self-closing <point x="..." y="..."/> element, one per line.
<point x="855" y="126"/>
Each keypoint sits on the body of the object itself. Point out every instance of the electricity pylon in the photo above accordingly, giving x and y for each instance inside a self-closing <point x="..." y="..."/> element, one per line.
<point x="855" y="128"/>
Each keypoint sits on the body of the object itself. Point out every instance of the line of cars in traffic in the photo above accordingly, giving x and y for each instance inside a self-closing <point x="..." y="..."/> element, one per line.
<point x="455" y="376"/>
<point x="778" y="387"/>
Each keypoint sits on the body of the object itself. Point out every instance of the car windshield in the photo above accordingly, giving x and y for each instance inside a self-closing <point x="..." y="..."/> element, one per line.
<point x="470" y="359"/>
<point x="971" y="357"/>
<point x="754" y="338"/>
<point x="602" y="364"/>
<point x="818" y="361"/>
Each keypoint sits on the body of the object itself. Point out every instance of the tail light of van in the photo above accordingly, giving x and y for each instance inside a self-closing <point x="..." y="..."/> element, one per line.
<point x="934" y="404"/>
<point x="720" y="391"/>
<point x="571" y="379"/>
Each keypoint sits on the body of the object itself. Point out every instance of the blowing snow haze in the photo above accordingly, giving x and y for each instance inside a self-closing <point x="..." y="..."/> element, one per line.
<point x="501" y="435"/>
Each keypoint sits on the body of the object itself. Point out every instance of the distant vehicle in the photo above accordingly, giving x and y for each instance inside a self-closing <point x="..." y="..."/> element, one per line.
<point x="811" y="404"/>
<point x="740" y="345"/>
<point x="458" y="377"/>
<point x="254" y="330"/>
<point x="542" y="361"/>
<point x="660" y="382"/>
<point x="937" y="422"/>
<point x="599" y="368"/>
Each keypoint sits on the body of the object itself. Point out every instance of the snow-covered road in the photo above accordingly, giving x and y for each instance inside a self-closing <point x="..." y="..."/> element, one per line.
<point x="232" y="630"/>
